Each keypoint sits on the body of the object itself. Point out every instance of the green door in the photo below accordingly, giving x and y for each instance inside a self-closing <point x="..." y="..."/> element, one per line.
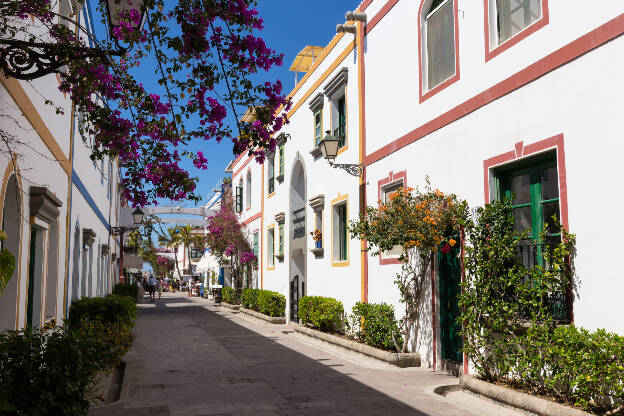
<point x="450" y="288"/>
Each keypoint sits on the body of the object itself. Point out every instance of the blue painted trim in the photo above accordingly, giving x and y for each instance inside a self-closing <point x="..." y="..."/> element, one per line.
<point x="83" y="190"/>
<point x="86" y="7"/>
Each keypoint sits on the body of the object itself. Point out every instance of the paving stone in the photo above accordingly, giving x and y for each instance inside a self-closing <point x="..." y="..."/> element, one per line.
<point x="193" y="359"/>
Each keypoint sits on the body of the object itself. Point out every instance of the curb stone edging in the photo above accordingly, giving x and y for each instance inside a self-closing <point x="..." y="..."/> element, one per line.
<point x="270" y="319"/>
<point x="229" y="305"/>
<point x="398" y="359"/>
<point x="518" y="399"/>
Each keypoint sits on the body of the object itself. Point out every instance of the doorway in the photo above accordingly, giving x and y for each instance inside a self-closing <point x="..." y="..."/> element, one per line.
<point x="449" y="267"/>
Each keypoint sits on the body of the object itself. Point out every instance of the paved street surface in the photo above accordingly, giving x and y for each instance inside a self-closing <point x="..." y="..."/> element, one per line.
<point x="192" y="358"/>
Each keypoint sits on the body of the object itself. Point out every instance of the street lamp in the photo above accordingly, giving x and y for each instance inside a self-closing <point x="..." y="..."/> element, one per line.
<point x="116" y="8"/>
<point x="137" y="216"/>
<point x="329" y="149"/>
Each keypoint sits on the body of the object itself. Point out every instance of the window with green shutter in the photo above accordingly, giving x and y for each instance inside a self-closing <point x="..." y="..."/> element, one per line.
<point x="255" y="244"/>
<point x="318" y="127"/>
<point x="271" y="247"/>
<point x="341" y="131"/>
<point x="271" y="174"/>
<point x="281" y="159"/>
<point x="533" y="186"/>
<point x="281" y="240"/>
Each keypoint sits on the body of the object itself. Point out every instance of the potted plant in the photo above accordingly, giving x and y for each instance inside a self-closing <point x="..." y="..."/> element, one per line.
<point x="317" y="236"/>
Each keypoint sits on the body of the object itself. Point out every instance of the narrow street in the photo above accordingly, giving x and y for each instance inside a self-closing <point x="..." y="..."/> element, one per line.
<point x="192" y="358"/>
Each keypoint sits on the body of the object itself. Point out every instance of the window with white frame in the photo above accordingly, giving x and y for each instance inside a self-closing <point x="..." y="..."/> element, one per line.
<point x="248" y="190"/>
<point x="336" y="91"/>
<point x="438" y="43"/>
<point x="510" y="17"/>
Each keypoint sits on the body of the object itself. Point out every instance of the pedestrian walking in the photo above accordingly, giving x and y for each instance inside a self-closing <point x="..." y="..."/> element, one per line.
<point x="151" y="286"/>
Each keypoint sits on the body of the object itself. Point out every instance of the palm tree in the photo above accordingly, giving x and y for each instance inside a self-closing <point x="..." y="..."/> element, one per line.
<point x="187" y="238"/>
<point x="171" y="240"/>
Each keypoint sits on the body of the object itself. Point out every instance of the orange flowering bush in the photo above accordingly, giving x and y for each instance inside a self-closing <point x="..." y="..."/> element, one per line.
<point x="419" y="223"/>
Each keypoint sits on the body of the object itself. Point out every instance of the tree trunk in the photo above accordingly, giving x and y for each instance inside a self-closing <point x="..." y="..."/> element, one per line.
<point x="175" y="255"/>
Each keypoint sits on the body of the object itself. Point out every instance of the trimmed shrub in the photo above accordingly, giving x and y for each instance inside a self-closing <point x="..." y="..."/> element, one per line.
<point x="229" y="296"/>
<point x="271" y="303"/>
<point x="112" y="309"/>
<point x="126" y="289"/>
<point x="326" y="314"/>
<point x="374" y="324"/>
<point x="48" y="373"/>
<point x="249" y="298"/>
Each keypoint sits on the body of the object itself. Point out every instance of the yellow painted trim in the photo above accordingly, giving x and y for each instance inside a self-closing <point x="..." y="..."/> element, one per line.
<point x="271" y="195"/>
<point x="271" y="227"/>
<point x="346" y="146"/>
<point x="13" y="167"/>
<point x="336" y="201"/>
<point x="328" y="49"/>
<point x="362" y="193"/>
<point x="18" y="94"/>
<point x="322" y="78"/>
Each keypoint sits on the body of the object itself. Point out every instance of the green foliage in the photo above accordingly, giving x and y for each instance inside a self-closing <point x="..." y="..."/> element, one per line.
<point x="418" y="222"/>
<point x="249" y="298"/>
<point x="126" y="289"/>
<point x="230" y="296"/>
<point x="48" y="373"/>
<point x="271" y="303"/>
<point x="111" y="309"/>
<point x="326" y="314"/>
<point x="510" y="325"/>
<point x="7" y="265"/>
<point x="374" y="324"/>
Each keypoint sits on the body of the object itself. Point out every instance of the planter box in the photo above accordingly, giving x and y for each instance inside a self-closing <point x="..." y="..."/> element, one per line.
<point x="270" y="319"/>
<point x="518" y="399"/>
<point x="229" y="305"/>
<point x="398" y="359"/>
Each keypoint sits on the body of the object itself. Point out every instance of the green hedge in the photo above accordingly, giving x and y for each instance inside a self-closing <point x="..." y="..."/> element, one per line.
<point x="271" y="303"/>
<point x="126" y="289"/>
<point x="48" y="373"/>
<point x="249" y="298"/>
<point x="113" y="309"/>
<point x="264" y="301"/>
<point x="326" y="314"/>
<point x="229" y="296"/>
<point x="374" y="324"/>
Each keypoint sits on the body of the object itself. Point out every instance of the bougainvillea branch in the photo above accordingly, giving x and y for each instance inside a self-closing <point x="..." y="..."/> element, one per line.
<point x="205" y="54"/>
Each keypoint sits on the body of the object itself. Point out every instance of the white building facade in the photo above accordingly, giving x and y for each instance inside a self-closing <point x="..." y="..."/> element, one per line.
<point x="57" y="205"/>
<point x="484" y="97"/>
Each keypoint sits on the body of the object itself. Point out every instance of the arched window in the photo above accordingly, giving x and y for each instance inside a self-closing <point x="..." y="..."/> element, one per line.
<point x="12" y="224"/>
<point x="248" y="191"/>
<point x="438" y="44"/>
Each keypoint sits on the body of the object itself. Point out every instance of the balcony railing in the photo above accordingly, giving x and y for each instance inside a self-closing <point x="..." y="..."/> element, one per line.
<point x="298" y="223"/>
<point x="532" y="255"/>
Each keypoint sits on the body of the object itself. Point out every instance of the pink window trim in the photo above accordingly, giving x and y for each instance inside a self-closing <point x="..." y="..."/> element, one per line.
<point x="425" y="96"/>
<point x="392" y="177"/>
<point x="492" y="53"/>
<point x="521" y="151"/>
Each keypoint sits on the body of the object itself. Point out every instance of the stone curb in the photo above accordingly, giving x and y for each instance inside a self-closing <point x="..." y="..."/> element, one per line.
<point x="229" y="305"/>
<point x="518" y="399"/>
<point x="270" y="319"/>
<point x="398" y="359"/>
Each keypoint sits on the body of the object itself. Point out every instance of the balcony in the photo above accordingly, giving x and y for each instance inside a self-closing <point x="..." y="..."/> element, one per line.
<point x="298" y="223"/>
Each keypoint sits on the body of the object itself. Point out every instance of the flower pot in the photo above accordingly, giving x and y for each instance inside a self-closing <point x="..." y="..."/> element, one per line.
<point x="318" y="244"/>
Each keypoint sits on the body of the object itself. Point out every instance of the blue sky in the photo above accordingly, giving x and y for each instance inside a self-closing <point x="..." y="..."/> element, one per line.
<point x="290" y="25"/>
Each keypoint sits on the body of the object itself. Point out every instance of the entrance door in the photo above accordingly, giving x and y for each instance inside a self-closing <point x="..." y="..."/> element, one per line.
<point x="297" y="291"/>
<point x="450" y="288"/>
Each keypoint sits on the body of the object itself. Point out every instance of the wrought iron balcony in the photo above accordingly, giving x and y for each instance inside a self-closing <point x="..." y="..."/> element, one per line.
<point x="298" y="223"/>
